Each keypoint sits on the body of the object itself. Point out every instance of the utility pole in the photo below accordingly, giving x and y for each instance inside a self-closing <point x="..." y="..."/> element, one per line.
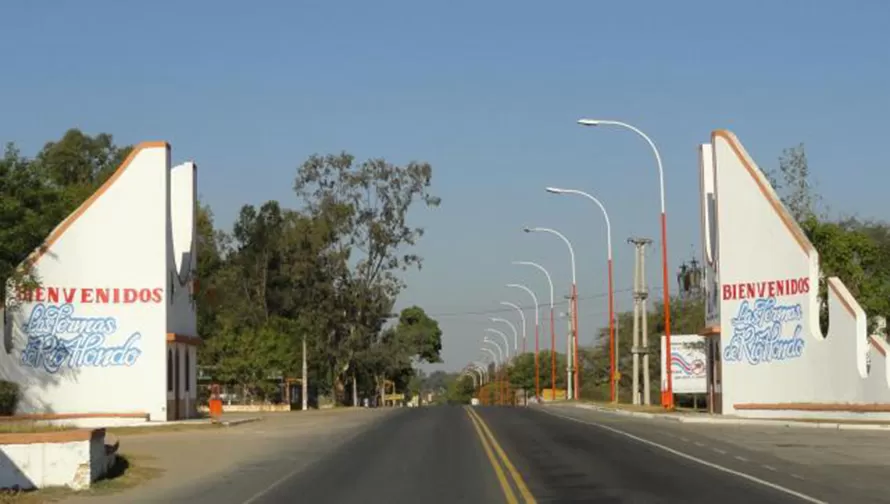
<point x="644" y="306"/>
<point x="304" y="381"/>
<point x="640" y="296"/>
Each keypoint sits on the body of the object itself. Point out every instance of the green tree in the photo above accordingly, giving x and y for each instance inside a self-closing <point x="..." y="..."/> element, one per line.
<point x="522" y="372"/>
<point x="854" y="251"/>
<point x="37" y="194"/>
<point x="369" y="203"/>
<point x="461" y="390"/>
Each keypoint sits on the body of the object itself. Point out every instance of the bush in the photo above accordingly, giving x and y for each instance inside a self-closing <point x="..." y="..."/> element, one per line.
<point x="9" y="397"/>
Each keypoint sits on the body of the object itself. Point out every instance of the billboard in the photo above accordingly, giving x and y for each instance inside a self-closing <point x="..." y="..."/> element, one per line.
<point x="688" y="364"/>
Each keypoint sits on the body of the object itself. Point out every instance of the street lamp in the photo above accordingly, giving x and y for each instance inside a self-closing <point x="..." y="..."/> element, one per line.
<point x="574" y="320"/>
<point x="612" y="349"/>
<point x="552" y="327"/>
<point x="467" y="372"/>
<point x="500" y="361"/>
<point x="494" y="358"/>
<point x="480" y="366"/>
<point x="505" y="357"/>
<point x="515" y="333"/>
<point x="506" y="343"/>
<point x="537" y="325"/>
<point x="664" y="260"/>
<point x="521" y="316"/>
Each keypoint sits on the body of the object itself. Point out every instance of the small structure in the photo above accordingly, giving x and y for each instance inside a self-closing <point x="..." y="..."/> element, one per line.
<point x="110" y="334"/>
<point x="767" y="355"/>
<point x="66" y="458"/>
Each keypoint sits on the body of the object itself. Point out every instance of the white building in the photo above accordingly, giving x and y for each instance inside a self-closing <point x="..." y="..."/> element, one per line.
<point x="767" y="354"/>
<point x="111" y="332"/>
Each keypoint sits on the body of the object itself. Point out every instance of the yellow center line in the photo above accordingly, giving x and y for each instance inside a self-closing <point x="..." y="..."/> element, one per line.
<point x="517" y="478"/>
<point x="502" y="478"/>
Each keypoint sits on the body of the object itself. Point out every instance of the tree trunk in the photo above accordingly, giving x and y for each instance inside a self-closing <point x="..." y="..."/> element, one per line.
<point x="354" y="392"/>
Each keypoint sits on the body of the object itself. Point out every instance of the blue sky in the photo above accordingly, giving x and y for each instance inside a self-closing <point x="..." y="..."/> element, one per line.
<point x="488" y="92"/>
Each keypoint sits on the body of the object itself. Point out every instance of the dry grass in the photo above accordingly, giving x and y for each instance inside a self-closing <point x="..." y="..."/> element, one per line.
<point x="142" y="429"/>
<point x="127" y="472"/>
<point x="30" y="427"/>
<point x="631" y="407"/>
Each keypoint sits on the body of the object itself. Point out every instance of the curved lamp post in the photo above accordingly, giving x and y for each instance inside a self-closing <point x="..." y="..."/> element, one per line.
<point x="552" y="327"/>
<point x="669" y="403"/>
<point x="473" y="375"/>
<point x="494" y="358"/>
<point x="537" y="325"/>
<point x="506" y="343"/>
<point x="515" y="333"/>
<point x="521" y="317"/>
<point x="480" y="366"/>
<point x="574" y="359"/>
<point x="501" y="359"/>
<point x="505" y="357"/>
<point x="612" y="357"/>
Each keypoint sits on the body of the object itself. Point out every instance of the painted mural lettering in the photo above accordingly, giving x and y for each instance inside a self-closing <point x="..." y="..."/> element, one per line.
<point x="769" y="289"/>
<point x="57" y="339"/>
<point x="98" y="295"/>
<point x="758" y="332"/>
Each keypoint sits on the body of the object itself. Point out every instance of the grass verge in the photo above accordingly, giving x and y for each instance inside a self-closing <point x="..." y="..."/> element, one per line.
<point x="141" y="429"/>
<point x="29" y="427"/>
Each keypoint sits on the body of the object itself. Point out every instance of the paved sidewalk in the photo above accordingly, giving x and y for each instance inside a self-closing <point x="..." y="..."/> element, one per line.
<point x="705" y="418"/>
<point x="191" y="458"/>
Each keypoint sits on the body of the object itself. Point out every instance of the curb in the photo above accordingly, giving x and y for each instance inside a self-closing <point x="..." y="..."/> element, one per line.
<point x="738" y="421"/>
<point x="638" y="414"/>
<point x="232" y="423"/>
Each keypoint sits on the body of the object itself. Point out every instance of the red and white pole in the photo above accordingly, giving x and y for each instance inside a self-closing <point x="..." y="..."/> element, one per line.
<point x="669" y="404"/>
<point x="577" y="380"/>
<point x="552" y="357"/>
<point x="537" y="370"/>
<point x="612" y="374"/>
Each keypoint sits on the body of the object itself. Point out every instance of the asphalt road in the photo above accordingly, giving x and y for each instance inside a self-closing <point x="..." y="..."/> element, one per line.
<point x="437" y="455"/>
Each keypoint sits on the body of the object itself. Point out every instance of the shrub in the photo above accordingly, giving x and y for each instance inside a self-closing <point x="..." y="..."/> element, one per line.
<point x="9" y="397"/>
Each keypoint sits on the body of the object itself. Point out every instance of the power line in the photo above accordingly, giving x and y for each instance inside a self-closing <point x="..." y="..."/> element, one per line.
<point x="523" y="307"/>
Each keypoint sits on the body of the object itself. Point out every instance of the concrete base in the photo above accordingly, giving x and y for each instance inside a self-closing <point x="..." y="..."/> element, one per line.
<point x="73" y="459"/>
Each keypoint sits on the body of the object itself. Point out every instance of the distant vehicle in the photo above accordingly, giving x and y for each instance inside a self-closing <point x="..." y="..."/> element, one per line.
<point x="474" y="401"/>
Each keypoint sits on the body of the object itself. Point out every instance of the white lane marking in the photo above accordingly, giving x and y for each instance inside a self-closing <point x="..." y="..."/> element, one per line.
<point x="694" y="459"/>
<point x="685" y="440"/>
<point x="698" y="444"/>
<point x="771" y="468"/>
<point x="743" y="459"/>
<point x="271" y="487"/>
<point x="798" y="476"/>
<point x="718" y="450"/>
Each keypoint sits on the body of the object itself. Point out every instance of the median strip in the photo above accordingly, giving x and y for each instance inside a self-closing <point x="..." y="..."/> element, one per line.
<point x="502" y="479"/>
<point x="517" y="478"/>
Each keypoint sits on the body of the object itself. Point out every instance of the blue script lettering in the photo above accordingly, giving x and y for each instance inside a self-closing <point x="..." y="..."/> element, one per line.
<point x="757" y="332"/>
<point x="48" y="348"/>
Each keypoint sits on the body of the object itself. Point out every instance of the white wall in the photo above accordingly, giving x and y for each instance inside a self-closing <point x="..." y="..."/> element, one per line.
<point x="772" y="347"/>
<point x="182" y="256"/>
<point x="130" y="238"/>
